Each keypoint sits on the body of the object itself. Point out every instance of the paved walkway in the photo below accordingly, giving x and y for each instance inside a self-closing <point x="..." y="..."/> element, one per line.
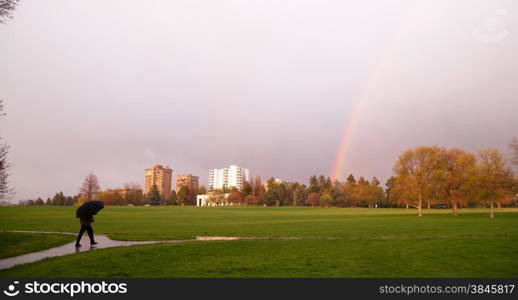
<point x="105" y="242"/>
<point x="102" y="240"/>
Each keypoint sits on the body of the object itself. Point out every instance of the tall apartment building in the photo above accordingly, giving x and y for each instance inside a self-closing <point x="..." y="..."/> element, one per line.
<point x="186" y="180"/>
<point x="228" y="177"/>
<point x="161" y="176"/>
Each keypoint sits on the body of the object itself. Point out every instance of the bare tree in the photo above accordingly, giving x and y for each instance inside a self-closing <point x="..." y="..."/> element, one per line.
<point x="90" y="187"/>
<point x="514" y="148"/>
<point x="257" y="188"/>
<point x="133" y="194"/>
<point x="4" y="164"/>
<point x="6" y="7"/>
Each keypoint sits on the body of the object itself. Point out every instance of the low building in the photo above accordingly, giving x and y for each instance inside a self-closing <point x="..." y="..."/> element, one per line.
<point x="212" y="199"/>
<point x="201" y="200"/>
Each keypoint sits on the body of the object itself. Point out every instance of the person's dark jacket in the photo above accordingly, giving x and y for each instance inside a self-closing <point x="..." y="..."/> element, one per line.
<point x="87" y="221"/>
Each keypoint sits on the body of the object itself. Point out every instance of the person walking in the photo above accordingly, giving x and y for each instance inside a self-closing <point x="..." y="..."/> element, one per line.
<point x="86" y="225"/>
<point x="86" y="213"/>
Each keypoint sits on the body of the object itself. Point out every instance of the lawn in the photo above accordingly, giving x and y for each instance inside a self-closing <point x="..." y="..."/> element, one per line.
<point x="333" y="242"/>
<point x="13" y="244"/>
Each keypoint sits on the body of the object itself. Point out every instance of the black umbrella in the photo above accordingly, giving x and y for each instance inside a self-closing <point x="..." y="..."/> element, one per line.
<point x="88" y="209"/>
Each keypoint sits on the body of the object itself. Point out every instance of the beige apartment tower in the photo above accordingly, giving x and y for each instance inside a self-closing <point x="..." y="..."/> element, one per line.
<point x="186" y="180"/>
<point x="161" y="176"/>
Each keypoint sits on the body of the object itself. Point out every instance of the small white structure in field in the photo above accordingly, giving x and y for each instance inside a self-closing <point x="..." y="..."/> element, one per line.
<point x="212" y="199"/>
<point x="201" y="200"/>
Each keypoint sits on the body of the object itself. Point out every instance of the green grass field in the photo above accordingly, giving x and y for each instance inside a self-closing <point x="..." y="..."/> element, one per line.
<point x="332" y="242"/>
<point x="13" y="244"/>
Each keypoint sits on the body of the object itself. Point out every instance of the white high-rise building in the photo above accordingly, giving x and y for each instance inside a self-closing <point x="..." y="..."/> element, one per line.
<point x="228" y="177"/>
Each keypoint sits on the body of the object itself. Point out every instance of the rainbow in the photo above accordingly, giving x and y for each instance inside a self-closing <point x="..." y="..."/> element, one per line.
<point x="352" y="120"/>
<point x="370" y="84"/>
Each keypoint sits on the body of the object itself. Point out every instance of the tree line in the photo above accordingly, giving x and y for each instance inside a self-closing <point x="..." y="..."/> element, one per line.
<point x="424" y="177"/>
<point x="427" y="176"/>
<point x="320" y="191"/>
<point x="186" y="195"/>
<point x="128" y="194"/>
<point x="59" y="199"/>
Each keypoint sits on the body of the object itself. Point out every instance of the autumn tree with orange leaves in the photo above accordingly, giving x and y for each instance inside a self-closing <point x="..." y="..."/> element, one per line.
<point x="495" y="179"/>
<point x="415" y="171"/>
<point x="457" y="175"/>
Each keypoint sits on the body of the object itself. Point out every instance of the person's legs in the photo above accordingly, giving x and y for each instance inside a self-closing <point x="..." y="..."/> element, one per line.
<point x="80" y="235"/>
<point x="90" y="231"/>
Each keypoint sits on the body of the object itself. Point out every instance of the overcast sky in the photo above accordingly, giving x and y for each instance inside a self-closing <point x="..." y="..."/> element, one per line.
<point x="112" y="87"/>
